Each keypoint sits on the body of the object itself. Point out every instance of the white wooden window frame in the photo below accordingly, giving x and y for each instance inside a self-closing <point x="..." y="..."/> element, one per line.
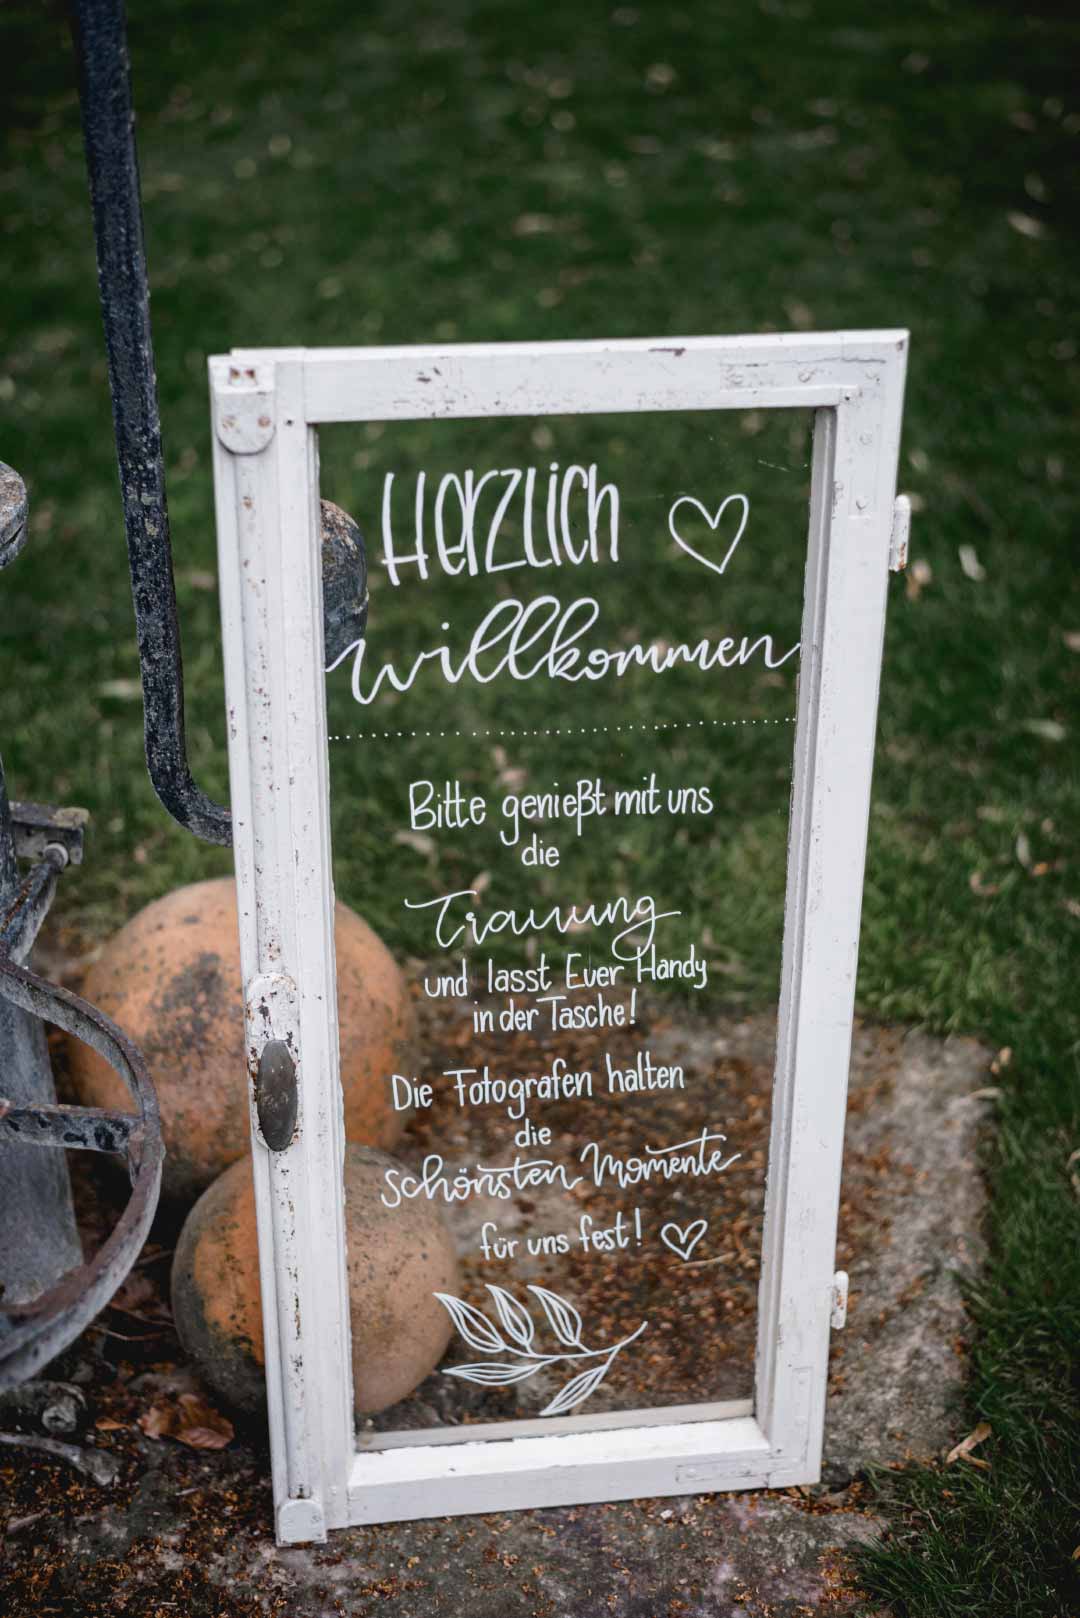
<point x="267" y="405"/>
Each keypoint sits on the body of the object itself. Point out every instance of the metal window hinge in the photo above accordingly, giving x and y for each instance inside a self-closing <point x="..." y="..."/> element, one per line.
<point x="838" y="1310"/>
<point x="898" y="539"/>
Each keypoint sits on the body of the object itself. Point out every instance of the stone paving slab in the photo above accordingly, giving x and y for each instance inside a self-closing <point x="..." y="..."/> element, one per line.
<point x="916" y="1106"/>
<point x="190" y="1533"/>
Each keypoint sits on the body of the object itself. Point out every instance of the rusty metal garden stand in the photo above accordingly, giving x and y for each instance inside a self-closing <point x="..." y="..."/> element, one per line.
<point x="47" y="1294"/>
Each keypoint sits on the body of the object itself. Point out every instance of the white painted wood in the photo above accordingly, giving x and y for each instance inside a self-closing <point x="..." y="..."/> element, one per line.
<point x="855" y="455"/>
<point x="535" y="379"/>
<point x="266" y="404"/>
<point x="600" y="1421"/>
<point x="267" y="507"/>
<point x="616" y="1464"/>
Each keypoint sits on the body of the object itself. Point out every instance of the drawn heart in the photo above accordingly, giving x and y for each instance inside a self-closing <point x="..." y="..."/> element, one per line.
<point x="682" y="1242"/>
<point x="714" y="523"/>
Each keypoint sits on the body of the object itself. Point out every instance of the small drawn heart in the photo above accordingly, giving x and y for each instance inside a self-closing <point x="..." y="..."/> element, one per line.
<point x="682" y="1242"/>
<point x="714" y="523"/>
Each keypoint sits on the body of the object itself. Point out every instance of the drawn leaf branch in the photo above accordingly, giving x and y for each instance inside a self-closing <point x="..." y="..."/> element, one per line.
<point x="514" y="1317"/>
<point x="577" y="1389"/>
<point x="525" y="1360"/>
<point x="494" y="1374"/>
<point x="564" y="1318"/>
<point x="475" y="1327"/>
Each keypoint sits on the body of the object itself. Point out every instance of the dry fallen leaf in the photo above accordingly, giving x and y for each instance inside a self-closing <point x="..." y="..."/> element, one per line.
<point x="534" y="224"/>
<point x="141" y="1299"/>
<point x="918" y="576"/>
<point x="962" y="1451"/>
<point x="1026" y="225"/>
<point x="190" y="1421"/>
<point x="416" y="840"/>
<point x="200" y="1426"/>
<point x="136" y="1292"/>
<point x="158" y="1421"/>
<point x="105" y="1424"/>
<point x="510" y="776"/>
<point x="970" y="564"/>
<point x="1051" y="730"/>
<point x="838" y="1497"/>
<point x="197" y="579"/>
<point x="981" y="889"/>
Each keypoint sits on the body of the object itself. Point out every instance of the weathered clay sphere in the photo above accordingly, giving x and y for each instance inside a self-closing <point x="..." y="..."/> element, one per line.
<point x="171" y="979"/>
<point x="397" y="1258"/>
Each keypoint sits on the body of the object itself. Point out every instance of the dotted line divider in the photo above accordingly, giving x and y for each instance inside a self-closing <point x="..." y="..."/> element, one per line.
<point x="553" y="730"/>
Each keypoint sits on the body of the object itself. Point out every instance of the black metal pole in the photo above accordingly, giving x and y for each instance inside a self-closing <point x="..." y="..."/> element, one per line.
<point x="108" y="131"/>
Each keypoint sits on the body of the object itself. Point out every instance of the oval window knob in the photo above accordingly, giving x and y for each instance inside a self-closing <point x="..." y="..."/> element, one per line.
<point x="276" y="1098"/>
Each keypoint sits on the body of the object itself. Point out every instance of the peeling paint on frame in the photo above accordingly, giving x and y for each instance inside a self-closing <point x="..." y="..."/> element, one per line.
<point x="266" y="405"/>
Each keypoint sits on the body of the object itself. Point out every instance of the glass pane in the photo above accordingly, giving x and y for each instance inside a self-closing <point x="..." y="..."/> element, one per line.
<point x="560" y="776"/>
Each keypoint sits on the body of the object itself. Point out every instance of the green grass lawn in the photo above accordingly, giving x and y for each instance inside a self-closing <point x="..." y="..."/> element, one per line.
<point x="317" y="173"/>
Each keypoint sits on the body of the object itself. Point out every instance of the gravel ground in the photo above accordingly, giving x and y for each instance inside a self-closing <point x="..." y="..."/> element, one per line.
<point x="186" y="1530"/>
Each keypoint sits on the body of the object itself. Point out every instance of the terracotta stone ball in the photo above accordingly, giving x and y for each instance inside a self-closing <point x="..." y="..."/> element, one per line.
<point x="171" y="979"/>
<point x="397" y="1259"/>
